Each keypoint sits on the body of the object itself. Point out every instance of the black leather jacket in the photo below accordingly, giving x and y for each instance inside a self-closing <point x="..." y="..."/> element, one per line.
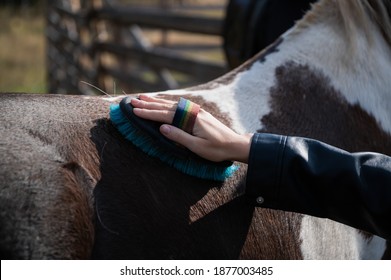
<point x="310" y="177"/>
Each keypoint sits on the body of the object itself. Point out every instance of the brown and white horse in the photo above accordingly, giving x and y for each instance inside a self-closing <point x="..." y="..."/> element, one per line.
<point x="72" y="187"/>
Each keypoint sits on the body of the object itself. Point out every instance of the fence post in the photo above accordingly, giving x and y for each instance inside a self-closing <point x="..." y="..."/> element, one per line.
<point x="98" y="32"/>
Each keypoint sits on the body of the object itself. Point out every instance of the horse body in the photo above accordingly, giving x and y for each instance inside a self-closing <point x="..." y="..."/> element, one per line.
<point x="48" y="170"/>
<point x="66" y="170"/>
<point x="334" y="90"/>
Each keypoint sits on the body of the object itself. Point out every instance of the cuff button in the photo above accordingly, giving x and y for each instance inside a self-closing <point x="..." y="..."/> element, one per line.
<point x="260" y="200"/>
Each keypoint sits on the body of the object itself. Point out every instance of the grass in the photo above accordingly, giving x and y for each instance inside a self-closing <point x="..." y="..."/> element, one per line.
<point x="22" y="51"/>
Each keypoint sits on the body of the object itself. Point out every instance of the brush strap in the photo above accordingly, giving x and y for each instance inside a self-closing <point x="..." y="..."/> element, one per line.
<point x="186" y="115"/>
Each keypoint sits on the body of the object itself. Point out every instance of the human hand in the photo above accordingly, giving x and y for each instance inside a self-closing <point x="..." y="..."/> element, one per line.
<point x="211" y="139"/>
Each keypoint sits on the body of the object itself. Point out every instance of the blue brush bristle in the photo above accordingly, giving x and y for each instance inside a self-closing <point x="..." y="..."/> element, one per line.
<point x="141" y="140"/>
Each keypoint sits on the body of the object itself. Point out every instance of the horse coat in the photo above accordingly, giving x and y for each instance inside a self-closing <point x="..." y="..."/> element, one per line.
<point x="72" y="187"/>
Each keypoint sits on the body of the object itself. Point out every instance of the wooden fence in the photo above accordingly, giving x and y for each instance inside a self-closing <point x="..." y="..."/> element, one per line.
<point x="112" y="47"/>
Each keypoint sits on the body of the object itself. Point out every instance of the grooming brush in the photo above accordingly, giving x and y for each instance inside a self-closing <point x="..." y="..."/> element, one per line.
<point x="145" y="135"/>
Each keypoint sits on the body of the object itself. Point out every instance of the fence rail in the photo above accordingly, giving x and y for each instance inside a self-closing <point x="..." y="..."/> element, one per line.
<point x="158" y="18"/>
<point x="106" y="45"/>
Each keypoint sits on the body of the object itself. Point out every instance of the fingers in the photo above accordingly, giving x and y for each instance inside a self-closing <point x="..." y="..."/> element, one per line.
<point x="153" y="105"/>
<point x="149" y="98"/>
<point x="179" y="136"/>
<point x="162" y="116"/>
<point x="154" y="109"/>
<point x="199" y="146"/>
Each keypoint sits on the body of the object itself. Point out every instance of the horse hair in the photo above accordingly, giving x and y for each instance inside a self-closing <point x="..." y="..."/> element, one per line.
<point x="356" y="15"/>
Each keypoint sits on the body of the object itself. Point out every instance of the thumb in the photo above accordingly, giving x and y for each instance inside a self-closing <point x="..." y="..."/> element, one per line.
<point x="177" y="135"/>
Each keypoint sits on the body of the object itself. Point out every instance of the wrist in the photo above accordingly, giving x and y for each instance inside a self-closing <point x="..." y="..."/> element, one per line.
<point x="240" y="149"/>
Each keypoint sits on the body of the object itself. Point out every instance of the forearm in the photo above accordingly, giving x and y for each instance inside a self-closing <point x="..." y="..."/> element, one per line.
<point x="310" y="177"/>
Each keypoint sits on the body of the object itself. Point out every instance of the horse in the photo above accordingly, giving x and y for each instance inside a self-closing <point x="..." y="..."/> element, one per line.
<point x="72" y="187"/>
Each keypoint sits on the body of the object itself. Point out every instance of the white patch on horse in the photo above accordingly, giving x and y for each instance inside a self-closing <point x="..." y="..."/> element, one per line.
<point x="370" y="67"/>
<point x="348" y="243"/>
<point x="239" y="100"/>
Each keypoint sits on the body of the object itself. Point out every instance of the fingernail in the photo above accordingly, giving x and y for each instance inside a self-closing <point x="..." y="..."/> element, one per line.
<point x="135" y="101"/>
<point x="165" y="129"/>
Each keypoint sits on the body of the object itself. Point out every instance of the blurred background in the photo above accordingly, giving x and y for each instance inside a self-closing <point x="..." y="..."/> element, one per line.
<point x="22" y="46"/>
<point x="59" y="46"/>
<point x="128" y="46"/>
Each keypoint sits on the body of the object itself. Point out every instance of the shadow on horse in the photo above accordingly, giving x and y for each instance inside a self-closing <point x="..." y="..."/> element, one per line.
<point x="71" y="187"/>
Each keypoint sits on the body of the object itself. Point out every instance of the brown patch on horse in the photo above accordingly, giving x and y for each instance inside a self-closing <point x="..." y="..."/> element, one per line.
<point x="304" y="103"/>
<point x="60" y="149"/>
<point x="148" y="210"/>
<point x="48" y="170"/>
<point x="276" y="234"/>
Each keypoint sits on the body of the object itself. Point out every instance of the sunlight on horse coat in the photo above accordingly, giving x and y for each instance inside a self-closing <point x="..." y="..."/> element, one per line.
<point x="72" y="187"/>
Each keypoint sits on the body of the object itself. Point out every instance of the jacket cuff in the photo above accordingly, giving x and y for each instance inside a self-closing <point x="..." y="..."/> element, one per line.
<point x="264" y="168"/>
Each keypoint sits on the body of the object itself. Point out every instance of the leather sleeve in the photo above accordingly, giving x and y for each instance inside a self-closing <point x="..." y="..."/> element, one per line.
<point x="310" y="177"/>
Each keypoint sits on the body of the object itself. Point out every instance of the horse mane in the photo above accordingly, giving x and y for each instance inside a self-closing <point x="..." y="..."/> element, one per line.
<point x="356" y="16"/>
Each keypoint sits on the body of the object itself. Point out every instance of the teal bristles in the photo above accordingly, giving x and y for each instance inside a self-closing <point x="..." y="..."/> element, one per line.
<point x="192" y="166"/>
